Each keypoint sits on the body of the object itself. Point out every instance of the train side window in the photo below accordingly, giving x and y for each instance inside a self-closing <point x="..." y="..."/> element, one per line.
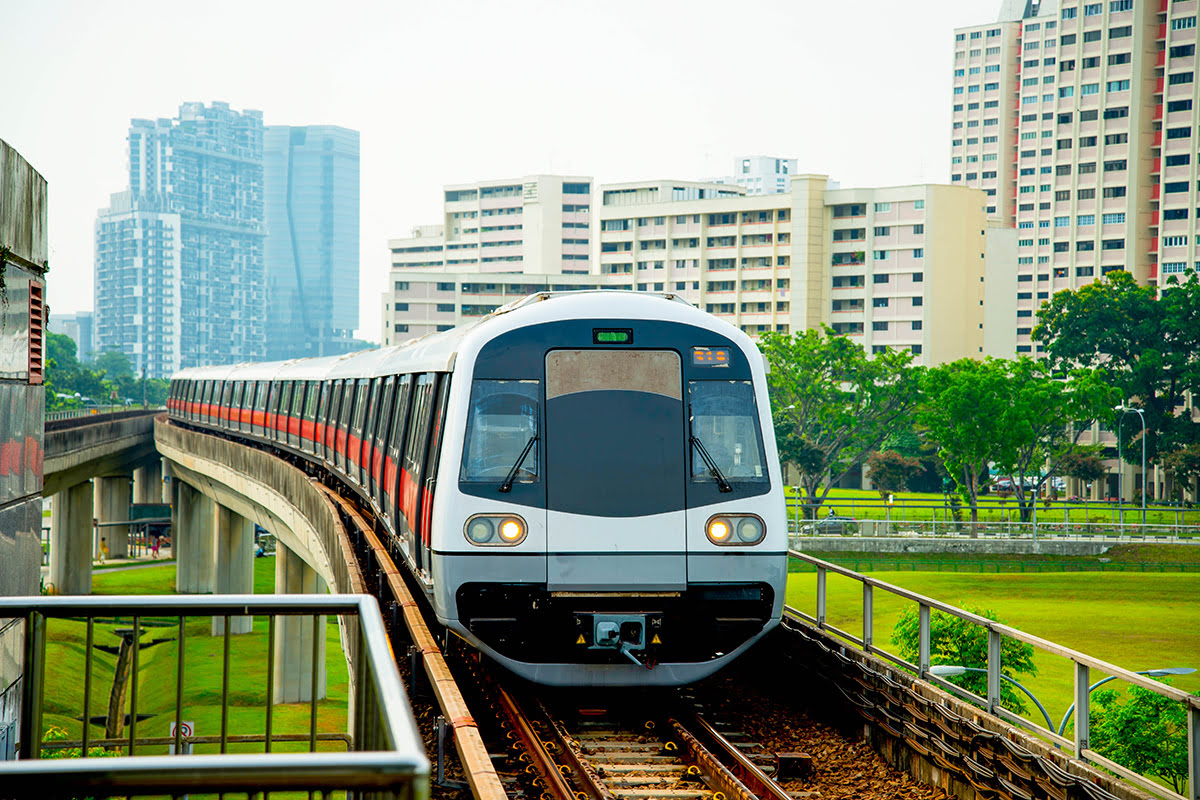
<point x="260" y="399"/>
<point x="208" y="400"/>
<point x="724" y="418"/>
<point x="331" y="415"/>
<point x="435" y="450"/>
<point x="368" y="432"/>
<point x="273" y="407"/>
<point x="347" y="405"/>
<point x="310" y="407"/>
<point x="502" y="419"/>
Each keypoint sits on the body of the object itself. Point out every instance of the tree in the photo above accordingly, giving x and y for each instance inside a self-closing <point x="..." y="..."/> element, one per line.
<point x="1045" y="417"/>
<point x="956" y="641"/>
<point x="114" y="364"/>
<point x="963" y="403"/>
<point x="1144" y="344"/>
<point x="1182" y="468"/>
<point x="890" y="471"/>
<point x="1082" y="464"/>
<point x="832" y="404"/>
<point x="1147" y="733"/>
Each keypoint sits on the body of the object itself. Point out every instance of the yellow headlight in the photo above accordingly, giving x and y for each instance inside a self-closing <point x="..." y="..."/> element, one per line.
<point x="511" y="530"/>
<point x="718" y="530"/>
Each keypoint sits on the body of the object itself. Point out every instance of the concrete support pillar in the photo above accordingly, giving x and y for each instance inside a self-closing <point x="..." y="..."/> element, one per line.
<point x="234" y="565"/>
<point x="113" y="493"/>
<point x="192" y="541"/>
<point x="71" y="540"/>
<point x="148" y="483"/>
<point x="294" y="635"/>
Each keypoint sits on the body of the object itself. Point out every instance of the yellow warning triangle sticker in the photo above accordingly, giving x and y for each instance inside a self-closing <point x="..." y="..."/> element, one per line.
<point x="581" y="640"/>
<point x="655" y="640"/>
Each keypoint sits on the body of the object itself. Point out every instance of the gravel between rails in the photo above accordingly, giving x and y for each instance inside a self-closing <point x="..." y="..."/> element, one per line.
<point x="774" y="715"/>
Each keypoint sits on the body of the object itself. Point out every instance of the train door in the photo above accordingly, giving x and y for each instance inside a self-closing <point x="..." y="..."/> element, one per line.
<point x="382" y="424"/>
<point x="430" y="475"/>
<point x="345" y="411"/>
<point x="394" y="462"/>
<point x="259" y="410"/>
<point x="334" y="388"/>
<point x="615" y="470"/>
<point x="368" y="439"/>
<point x="414" y="465"/>
<point x="354" y="445"/>
<point x="319" y="420"/>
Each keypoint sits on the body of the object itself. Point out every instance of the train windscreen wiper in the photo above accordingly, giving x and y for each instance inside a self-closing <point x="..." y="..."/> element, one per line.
<point x="512" y="473"/>
<point x="722" y="484"/>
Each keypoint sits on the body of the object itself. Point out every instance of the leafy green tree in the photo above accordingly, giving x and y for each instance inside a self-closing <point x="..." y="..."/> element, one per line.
<point x="1045" y="417"/>
<point x="890" y="471"/>
<point x="1083" y="464"/>
<point x="955" y="641"/>
<point x="963" y="404"/>
<point x="832" y="404"/>
<point x="114" y="364"/>
<point x="1144" y="344"/>
<point x="1182" y="468"/>
<point x="1147" y="733"/>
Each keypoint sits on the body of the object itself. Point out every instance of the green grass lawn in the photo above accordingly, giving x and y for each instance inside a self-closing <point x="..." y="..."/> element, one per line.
<point x="1121" y="558"/>
<point x="203" y="659"/>
<point x="1133" y="620"/>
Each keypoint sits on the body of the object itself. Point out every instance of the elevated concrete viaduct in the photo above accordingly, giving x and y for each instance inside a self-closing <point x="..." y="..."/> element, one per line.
<point x="90" y="463"/>
<point x="221" y="490"/>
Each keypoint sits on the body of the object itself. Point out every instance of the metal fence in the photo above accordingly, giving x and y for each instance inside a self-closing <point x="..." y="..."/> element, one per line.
<point x="384" y="757"/>
<point x="1011" y="528"/>
<point x="1083" y="665"/>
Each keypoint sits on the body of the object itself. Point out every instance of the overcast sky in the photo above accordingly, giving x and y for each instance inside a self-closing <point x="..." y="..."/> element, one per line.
<point x="450" y="92"/>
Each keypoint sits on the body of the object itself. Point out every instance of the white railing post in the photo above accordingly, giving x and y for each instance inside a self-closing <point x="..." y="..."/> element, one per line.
<point x="820" y="597"/>
<point x="923" y="642"/>
<point x="868" y="617"/>
<point x="1082" y="712"/>
<point x="993" y="670"/>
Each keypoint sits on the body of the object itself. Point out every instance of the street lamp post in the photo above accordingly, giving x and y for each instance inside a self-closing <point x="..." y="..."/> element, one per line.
<point x="947" y="671"/>
<point x="1153" y="673"/>
<point x="1124" y="409"/>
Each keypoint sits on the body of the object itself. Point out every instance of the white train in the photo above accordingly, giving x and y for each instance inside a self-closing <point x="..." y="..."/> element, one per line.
<point x="585" y="484"/>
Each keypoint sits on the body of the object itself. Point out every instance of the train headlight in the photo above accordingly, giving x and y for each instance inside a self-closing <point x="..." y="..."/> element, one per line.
<point x="512" y="530"/>
<point x="480" y="530"/>
<point x="735" y="530"/>
<point x="718" y="530"/>
<point x="495" y="530"/>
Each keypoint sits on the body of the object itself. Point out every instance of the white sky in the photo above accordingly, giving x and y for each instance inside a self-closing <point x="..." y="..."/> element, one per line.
<point x="449" y="92"/>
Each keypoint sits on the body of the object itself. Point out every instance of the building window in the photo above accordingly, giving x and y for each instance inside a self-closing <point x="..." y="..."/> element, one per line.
<point x="918" y="252"/>
<point x="400" y="328"/>
<point x="1178" y="78"/>
<point x="1183" y="23"/>
<point x="401" y="286"/>
<point x="1121" y="32"/>
<point x="400" y="307"/>
<point x="879" y="302"/>
<point x="883" y="208"/>
<point x="916" y="349"/>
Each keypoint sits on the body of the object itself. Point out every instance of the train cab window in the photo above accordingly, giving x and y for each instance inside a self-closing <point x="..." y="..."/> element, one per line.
<point x="724" y="424"/>
<point x="502" y="421"/>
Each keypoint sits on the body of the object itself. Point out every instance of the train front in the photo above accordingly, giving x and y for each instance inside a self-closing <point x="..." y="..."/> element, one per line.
<point x="619" y="515"/>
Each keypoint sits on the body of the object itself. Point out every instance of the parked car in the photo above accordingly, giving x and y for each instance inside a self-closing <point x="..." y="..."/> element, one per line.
<point x="833" y="525"/>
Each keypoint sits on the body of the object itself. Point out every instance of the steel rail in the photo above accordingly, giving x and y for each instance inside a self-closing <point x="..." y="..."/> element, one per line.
<point x="540" y="759"/>
<point x="758" y="782"/>
<point x="477" y="763"/>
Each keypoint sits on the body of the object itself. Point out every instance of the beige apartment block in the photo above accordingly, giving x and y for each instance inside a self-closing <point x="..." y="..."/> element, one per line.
<point x="896" y="267"/>
<point x="1103" y="175"/>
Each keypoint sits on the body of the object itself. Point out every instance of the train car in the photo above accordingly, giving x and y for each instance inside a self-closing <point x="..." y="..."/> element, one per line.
<point x="585" y="484"/>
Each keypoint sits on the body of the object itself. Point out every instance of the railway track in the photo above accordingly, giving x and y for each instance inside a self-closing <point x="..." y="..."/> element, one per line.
<point x="536" y="745"/>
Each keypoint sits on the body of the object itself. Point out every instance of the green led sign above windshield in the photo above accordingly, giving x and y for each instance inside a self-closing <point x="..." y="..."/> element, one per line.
<point x="612" y="335"/>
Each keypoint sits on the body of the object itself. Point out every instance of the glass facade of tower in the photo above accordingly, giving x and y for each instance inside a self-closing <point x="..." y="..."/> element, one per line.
<point x="311" y="249"/>
<point x="179" y="256"/>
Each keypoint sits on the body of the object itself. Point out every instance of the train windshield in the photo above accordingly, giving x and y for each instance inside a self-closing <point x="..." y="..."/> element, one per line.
<point x="501" y="424"/>
<point x="724" y="419"/>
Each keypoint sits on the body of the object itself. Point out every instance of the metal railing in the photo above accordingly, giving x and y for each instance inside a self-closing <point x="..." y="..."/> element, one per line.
<point x="385" y="752"/>
<point x="906" y="516"/>
<point x="94" y="414"/>
<point x="1083" y="665"/>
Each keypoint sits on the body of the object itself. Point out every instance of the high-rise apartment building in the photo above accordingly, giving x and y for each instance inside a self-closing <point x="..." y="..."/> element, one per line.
<point x="538" y="226"/>
<point x="1099" y="103"/>
<point x="310" y="254"/>
<point x="896" y="267"/>
<point x="78" y="326"/>
<point x="179" y="256"/>
<point x="761" y="174"/>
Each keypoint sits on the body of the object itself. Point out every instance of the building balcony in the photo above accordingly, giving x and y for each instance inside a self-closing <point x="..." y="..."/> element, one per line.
<point x="1162" y="32"/>
<point x="1161" y="61"/>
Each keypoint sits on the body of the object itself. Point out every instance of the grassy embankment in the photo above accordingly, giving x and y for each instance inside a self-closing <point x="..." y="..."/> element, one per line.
<point x="916" y="507"/>
<point x="1121" y="558"/>
<point x="203" y="679"/>
<point x="1132" y="620"/>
